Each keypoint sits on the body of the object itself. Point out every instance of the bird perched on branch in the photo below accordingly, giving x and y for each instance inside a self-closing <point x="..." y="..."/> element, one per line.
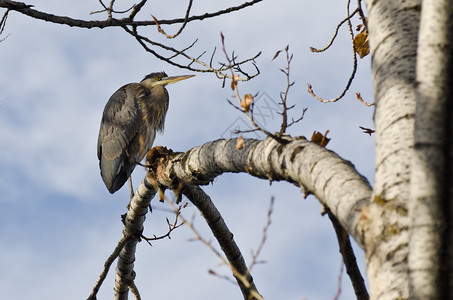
<point x="131" y="118"/>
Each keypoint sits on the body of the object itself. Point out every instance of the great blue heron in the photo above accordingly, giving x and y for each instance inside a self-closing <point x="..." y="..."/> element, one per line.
<point x="131" y="118"/>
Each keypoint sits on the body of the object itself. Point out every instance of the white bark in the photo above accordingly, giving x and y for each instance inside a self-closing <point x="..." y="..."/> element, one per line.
<point x="427" y="208"/>
<point x="333" y="180"/>
<point x="133" y="227"/>
<point x="393" y="29"/>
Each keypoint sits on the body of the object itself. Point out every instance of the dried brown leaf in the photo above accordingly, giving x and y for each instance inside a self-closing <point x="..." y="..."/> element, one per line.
<point x="367" y="130"/>
<point x="362" y="46"/>
<point x="234" y="82"/>
<point x="276" y="54"/>
<point x="319" y="138"/>
<point x="239" y="143"/>
<point x="246" y="102"/>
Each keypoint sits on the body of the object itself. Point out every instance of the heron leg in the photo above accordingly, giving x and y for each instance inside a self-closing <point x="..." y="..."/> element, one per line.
<point x="143" y="165"/>
<point x="131" y="189"/>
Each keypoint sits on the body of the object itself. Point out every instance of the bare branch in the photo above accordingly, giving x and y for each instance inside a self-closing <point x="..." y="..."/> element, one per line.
<point x="171" y="227"/>
<point x="359" y="97"/>
<point x="245" y="131"/>
<point x="146" y="43"/>
<point x="362" y="15"/>
<point x="312" y="49"/>
<point x="110" y="10"/>
<point x="3" y="21"/>
<point x="284" y="94"/>
<point x="340" y="277"/>
<point x="264" y="236"/>
<point x="136" y="9"/>
<point x="247" y="108"/>
<point x="298" y="119"/>
<point x="182" y="26"/>
<point x="107" y="264"/>
<point x="349" y="258"/>
<point x="354" y="68"/>
<point x="224" y="237"/>
<point x="27" y="10"/>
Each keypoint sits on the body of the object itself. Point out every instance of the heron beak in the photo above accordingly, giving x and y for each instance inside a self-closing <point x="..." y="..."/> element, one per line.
<point x="172" y="79"/>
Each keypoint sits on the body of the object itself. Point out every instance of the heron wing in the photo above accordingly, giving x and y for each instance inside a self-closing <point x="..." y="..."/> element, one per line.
<point x="121" y="123"/>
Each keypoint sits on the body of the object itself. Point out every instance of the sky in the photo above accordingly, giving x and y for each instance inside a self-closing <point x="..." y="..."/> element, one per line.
<point x="58" y="222"/>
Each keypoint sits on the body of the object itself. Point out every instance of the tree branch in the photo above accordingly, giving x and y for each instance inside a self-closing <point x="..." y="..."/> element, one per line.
<point x="27" y="10"/>
<point x="107" y="265"/>
<point x="130" y="25"/>
<point x="333" y="180"/>
<point x="133" y="227"/>
<point x="147" y="44"/>
<point x="224" y="237"/>
<point x="349" y="258"/>
<point x="354" y="57"/>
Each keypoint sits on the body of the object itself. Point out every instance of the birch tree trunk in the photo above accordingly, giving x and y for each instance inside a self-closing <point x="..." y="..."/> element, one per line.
<point x="430" y="199"/>
<point x="393" y="31"/>
<point x="406" y="223"/>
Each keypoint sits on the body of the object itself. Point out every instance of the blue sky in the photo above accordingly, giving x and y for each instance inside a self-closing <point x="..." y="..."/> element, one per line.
<point x="58" y="223"/>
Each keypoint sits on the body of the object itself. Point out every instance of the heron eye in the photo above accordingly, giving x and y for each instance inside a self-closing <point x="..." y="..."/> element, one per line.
<point x="158" y="78"/>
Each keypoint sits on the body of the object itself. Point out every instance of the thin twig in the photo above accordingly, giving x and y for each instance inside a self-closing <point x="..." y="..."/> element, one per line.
<point x="362" y="14"/>
<point x="247" y="109"/>
<point x="171" y="227"/>
<point x="111" y="10"/>
<point x="136" y="9"/>
<point x="108" y="263"/>
<point x="264" y="236"/>
<point x="184" y="50"/>
<point x="234" y="258"/>
<point x="312" y="49"/>
<point x="143" y="41"/>
<point x="3" y="21"/>
<point x="359" y="97"/>
<point x="340" y="277"/>
<point x="284" y="95"/>
<point x="354" y="69"/>
<point x="245" y="131"/>
<point x="223" y="277"/>
<point x="298" y="119"/>
<point x="182" y="26"/>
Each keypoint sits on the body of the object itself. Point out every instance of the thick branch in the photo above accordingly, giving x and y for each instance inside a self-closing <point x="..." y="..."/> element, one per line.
<point x="28" y="11"/>
<point x="130" y="25"/>
<point x="333" y="180"/>
<point x="133" y="227"/>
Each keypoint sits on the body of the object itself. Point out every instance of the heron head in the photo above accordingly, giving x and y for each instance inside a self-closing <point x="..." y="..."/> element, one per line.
<point x="161" y="78"/>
